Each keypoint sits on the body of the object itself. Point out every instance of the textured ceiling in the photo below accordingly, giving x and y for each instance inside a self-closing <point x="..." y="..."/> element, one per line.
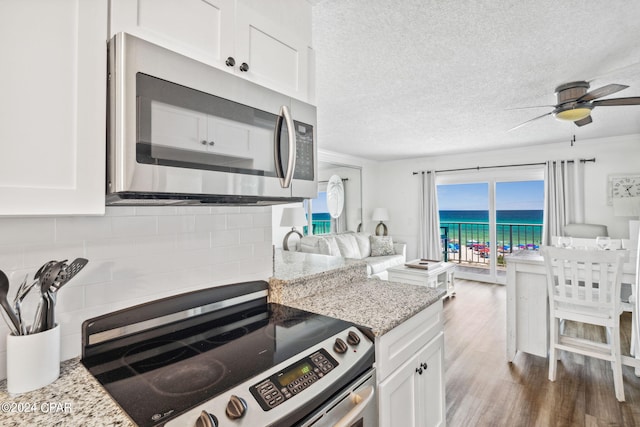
<point x="406" y="78"/>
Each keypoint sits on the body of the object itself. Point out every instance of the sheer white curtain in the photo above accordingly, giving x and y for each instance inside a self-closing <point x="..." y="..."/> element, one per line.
<point x="430" y="246"/>
<point x="564" y="196"/>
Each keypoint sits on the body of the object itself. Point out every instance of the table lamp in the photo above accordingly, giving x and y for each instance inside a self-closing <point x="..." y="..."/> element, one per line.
<point x="290" y="218"/>
<point x="380" y="214"/>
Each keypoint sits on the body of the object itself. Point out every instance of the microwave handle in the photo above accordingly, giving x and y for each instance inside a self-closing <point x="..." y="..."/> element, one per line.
<point x="285" y="180"/>
<point x="361" y="399"/>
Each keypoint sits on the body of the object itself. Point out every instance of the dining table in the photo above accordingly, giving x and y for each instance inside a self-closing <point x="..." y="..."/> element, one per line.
<point x="528" y="306"/>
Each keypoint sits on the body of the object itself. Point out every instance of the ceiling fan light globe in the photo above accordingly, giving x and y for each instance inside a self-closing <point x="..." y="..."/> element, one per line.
<point x="573" y="114"/>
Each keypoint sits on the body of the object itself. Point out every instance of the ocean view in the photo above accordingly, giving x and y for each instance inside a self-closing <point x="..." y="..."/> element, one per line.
<point x="514" y="227"/>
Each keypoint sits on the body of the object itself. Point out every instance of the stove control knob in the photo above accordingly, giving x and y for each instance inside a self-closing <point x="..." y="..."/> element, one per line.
<point x="236" y="407"/>
<point x="207" y="420"/>
<point x="340" y="346"/>
<point x="353" y="338"/>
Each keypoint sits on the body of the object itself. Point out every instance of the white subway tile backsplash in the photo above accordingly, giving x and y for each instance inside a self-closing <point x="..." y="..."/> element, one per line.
<point x="20" y="231"/>
<point x="176" y="224"/>
<point x="134" y="226"/>
<point x="211" y="222"/>
<point x="241" y="220"/>
<point x="36" y="255"/>
<point x="136" y="254"/>
<point x="73" y="229"/>
<point x="225" y="238"/>
<point x="252" y="235"/>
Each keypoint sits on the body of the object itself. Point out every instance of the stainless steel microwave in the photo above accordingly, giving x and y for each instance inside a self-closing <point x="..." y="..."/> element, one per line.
<point x="183" y="132"/>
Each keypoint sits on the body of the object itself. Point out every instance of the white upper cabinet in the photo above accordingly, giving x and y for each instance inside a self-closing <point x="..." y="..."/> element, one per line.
<point x="200" y="29"/>
<point x="265" y="42"/>
<point x="53" y="107"/>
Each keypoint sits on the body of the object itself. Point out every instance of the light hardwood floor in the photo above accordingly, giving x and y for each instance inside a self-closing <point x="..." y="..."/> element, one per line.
<point x="483" y="389"/>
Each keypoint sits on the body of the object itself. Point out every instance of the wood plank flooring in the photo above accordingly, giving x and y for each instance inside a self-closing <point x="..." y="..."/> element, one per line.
<point x="483" y="389"/>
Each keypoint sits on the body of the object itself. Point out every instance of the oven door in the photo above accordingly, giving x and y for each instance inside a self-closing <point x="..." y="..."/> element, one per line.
<point x="355" y="406"/>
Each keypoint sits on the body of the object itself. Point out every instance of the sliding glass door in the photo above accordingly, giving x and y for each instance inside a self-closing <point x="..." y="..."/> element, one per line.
<point x="485" y="216"/>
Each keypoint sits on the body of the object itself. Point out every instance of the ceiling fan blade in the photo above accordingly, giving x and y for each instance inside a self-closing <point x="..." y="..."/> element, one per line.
<point x="584" y="121"/>
<point x="531" y="106"/>
<point x="633" y="100"/>
<point x="529" y="121"/>
<point x="601" y="91"/>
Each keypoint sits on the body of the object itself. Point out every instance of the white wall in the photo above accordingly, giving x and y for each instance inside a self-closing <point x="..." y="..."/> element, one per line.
<point x="392" y="185"/>
<point x="135" y="255"/>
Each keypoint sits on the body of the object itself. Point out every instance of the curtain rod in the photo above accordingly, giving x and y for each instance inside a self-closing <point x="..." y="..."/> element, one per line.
<point x="322" y="182"/>
<point x="500" y="166"/>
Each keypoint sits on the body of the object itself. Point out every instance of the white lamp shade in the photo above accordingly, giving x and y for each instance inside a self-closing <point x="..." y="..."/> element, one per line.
<point x="293" y="216"/>
<point x="380" y="214"/>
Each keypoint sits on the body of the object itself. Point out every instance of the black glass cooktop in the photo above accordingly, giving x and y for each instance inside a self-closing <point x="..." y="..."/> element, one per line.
<point x="160" y="373"/>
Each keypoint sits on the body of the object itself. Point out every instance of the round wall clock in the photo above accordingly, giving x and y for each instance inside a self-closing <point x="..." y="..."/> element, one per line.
<point x="623" y="186"/>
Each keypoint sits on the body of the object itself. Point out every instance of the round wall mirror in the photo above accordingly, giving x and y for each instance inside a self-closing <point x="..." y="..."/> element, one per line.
<point x="335" y="196"/>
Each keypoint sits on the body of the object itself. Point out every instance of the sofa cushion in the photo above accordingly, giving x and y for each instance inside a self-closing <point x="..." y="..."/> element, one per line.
<point x="310" y="244"/>
<point x="364" y="244"/>
<point x="329" y="246"/>
<point x="378" y="264"/>
<point x="348" y="246"/>
<point x="381" y="246"/>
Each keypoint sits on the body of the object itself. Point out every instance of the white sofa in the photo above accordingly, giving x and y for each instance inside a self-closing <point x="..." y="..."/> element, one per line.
<point x="356" y="246"/>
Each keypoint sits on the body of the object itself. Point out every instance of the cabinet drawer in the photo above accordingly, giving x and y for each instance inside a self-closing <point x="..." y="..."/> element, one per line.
<point x="399" y="344"/>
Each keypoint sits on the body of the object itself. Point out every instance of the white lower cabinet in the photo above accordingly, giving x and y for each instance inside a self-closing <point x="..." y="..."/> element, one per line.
<point x="411" y="385"/>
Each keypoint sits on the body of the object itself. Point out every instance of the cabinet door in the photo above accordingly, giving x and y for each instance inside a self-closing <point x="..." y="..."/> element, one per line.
<point x="414" y="395"/>
<point x="200" y="29"/>
<point x="430" y="396"/>
<point x="277" y="57"/>
<point x="52" y="108"/>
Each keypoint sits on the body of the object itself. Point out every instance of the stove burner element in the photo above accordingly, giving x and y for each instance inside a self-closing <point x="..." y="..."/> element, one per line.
<point x="228" y="336"/>
<point x="156" y="354"/>
<point x="185" y="378"/>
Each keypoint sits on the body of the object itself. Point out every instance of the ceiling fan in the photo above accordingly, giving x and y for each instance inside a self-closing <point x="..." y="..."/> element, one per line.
<point x="575" y="103"/>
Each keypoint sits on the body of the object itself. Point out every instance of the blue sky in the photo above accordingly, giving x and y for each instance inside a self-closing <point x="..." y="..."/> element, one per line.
<point x="522" y="195"/>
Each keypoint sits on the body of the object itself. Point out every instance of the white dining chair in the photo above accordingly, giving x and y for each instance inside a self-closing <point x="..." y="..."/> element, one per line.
<point x="584" y="286"/>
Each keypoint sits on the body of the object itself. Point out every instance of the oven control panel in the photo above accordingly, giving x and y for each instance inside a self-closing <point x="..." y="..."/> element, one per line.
<point x="292" y="380"/>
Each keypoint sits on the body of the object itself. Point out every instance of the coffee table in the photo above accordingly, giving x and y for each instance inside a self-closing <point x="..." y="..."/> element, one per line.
<point x="439" y="277"/>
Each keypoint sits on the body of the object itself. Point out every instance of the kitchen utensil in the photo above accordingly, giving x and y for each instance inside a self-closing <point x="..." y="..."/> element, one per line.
<point x="14" y="323"/>
<point x="22" y="292"/>
<point x="44" y="267"/>
<point x="44" y="311"/>
<point x="69" y="273"/>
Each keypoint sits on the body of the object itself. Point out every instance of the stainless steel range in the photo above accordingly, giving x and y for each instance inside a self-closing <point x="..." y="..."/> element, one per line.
<point x="225" y="357"/>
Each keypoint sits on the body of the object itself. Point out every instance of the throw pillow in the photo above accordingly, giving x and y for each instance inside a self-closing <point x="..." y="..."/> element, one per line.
<point x="381" y="245"/>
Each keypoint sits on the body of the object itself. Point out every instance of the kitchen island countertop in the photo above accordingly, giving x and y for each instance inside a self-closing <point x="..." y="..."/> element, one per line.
<point x="376" y="304"/>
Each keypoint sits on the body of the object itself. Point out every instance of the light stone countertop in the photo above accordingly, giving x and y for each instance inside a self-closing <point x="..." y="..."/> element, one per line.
<point x="290" y="265"/>
<point x="373" y="303"/>
<point x="297" y="275"/>
<point x="74" y="399"/>
<point x="335" y="287"/>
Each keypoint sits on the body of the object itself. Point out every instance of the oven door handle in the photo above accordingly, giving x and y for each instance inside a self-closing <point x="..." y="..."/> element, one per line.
<point x="361" y="399"/>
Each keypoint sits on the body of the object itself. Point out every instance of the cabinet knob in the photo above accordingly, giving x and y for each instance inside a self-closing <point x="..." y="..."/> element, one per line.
<point x="230" y="61"/>
<point x="203" y="142"/>
<point x="212" y="143"/>
<point x="244" y="67"/>
<point x="424" y="366"/>
<point x="419" y="370"/>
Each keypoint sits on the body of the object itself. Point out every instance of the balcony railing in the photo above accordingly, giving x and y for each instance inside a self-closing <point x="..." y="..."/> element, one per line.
<point x="468" y="242"/>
